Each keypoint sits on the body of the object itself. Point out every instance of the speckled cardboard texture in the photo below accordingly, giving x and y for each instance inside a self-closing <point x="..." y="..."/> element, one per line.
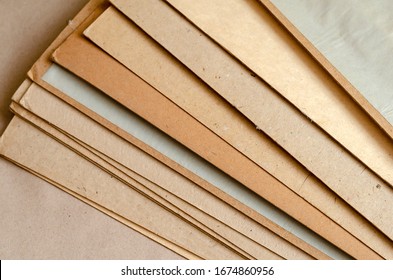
<point x="49" y="158"/>
<point x="39" y="221"/>
<point x="172" y="181"/>
<point x="277" y="198"/>
<point x="160" y="196"/>
<point x="40" y="68"/>
<point x="42" y="65"/>
<point x="218" y="116"/>
<point x="282" y="63"/>
<point x="347" y="176"/>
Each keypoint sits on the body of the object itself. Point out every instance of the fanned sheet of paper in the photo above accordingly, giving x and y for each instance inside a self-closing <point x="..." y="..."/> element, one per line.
<point x="349" y="178"/>
<point x="65" y="55"/>
<point x="156" y="174"/>
<point x="205" y="139"/>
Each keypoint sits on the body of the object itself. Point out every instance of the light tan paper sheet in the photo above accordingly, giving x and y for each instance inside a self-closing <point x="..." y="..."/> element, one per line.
<point x="176" y="249"/>
<point x="165" y="199"/>
<point x="49" y="158"/>
<point x="28" y="88"/>
<point x="375" y="112"/>
<point x="158" y="195"/>
<point x="149" y="234"/>
<point x="78" y="24"/>
<point x="282" y="62"/>
<point x="222" y="120"/>
<point x="343" y="173"/>
<point x="36" y="98"/>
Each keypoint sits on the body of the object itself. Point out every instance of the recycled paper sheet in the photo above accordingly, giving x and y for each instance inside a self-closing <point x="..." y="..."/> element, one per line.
<point x="176" y="250"/>
<point x="16" y="108"/>
<point x="338" y="237"/>
<point x="153" y="171"/>
<point x="67" y="168"/>
<point x="39" y="221"/>
<point x="165" y="199"/>
<point x="36" y="100"/>
<point x="133" y="125"/>
<point x="356" y="38"/>
<point x="71" y="55"/>
<point x="121" y="219"/>
<point x="149" y="105"/>
<point x="348" y="177"/>
<point x="283" y="64"/>
<point x="40" y="67"/>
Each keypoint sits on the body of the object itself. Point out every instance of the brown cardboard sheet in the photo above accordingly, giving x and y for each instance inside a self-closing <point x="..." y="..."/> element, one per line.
<point x="162" y="198"/>
<point x="22" y="113"/>
<point x="329" y="161"/>
<point x="273" y="54"/>
<point x="49" y="158"/>
<point x="327" y="65"/>
<point x="173" y="247"/>
<point x="119" y="218"/>
<point x="152" y="170"/>
<point x="139" y="183"/>
<point x="275" y="198"/>
<point x="243" y="246"/>
<point x="82" y="58"/>
<point x="36" y="100"/>
<point x="77" y="25"/>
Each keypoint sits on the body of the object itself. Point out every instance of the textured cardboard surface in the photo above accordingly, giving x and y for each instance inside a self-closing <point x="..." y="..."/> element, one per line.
<point x="39" y="221"/>
<point x="78" y="24"/>
<point x="82" y="58"/>
<point x="276" y="196"/>
<point x="154" y="173"/>
<point x="347" y="176"/>
<point x="283" y="64"/>
<point x="61" y="165"/>
<point x="238" y="243"/>
<point x="162" y="198"/>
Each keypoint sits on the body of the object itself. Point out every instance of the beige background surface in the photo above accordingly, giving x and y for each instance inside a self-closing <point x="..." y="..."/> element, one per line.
<point x="38" y="221"/>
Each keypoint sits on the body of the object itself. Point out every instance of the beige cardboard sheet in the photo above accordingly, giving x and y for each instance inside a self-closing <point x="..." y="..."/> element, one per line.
<point x="85" y="60"/>
<point x="240" y="244"/>
<point x="123" y="220"/>
<point x="151" y="106"/>
<point x="220" y="194"/>
<point x="36" y="99"/>
<point x="362" y="100"/>
<point x="53" y="160"/>
<point x="273" y="54"/>
<point x="181" y="251"/>
<point x="132" y="180"/>
<point x="343" y="173"/>
<point x="78" y="24"/>
<point x="278" y="198"/>
<point x="162" y="198"/>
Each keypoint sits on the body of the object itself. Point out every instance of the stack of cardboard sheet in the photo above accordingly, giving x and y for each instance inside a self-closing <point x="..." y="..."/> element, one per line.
<point x="213" y="127"/>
